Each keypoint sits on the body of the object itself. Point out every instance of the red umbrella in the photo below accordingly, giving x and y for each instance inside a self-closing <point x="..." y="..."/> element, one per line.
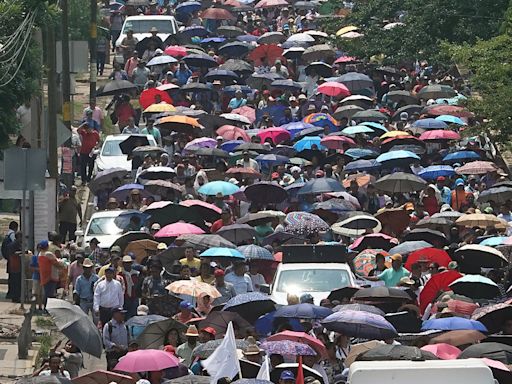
<point x="346" y="59"/>
<point x="150" y="97"/>
<point x="336" y="142"/>
<point x="270" y="52"/>
<point x="429" y="255"/>
<point x="178" y="229"/>
<point x="439" y="134"/>
<point x="217" y="14"/>
<point x="246" y="111"/>
<point x="301" y="337"/>
<point x="271" y="3"/>
<point x="438" y="110"/>
<point x="232" y="3"/>
<point x="230" y="132"/>
<point x="436" y="283"/>
<point x="176" y="51"/>
<point x="332" y="88"/>
<point x="276" y="134"/>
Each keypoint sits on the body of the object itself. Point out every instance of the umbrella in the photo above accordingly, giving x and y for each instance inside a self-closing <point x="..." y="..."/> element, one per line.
<point x="203" y="351"/>
<point x="196" y="87"/>
<point x="408" y="247"/>
<point x="308" y="142"/>
<point x="250" y="305"/>
<point x="458" y="338"/>
<point x="104" y="178"/>
<point x="206" y="210"/>
<point x="361" y="153"/>
<point x="356" y="81"/>
<point x="303" y="311"/>
<point x="499" y="195"/>
<point x="493" y="316"/>
<point x="157" y="173"/>
<point x="400" y="182"/>
<point x="301" y="337"/>
<point x="321" y="120"/>
<point x="159" y="108"/>
<point x="276" y="135"/>
<point x="443" y="351"/>
<point x="495" y="351"/>
<point x="131" y="142"/>
<point x="438" y="134"/>
<point x="402" y="96"/>
<point x="248" y="173"/>
<point x="219" y="321"/>
<point x="410" y="109"/>
<point x="346" y="111"/>
<point x="364" y="261"/>
<point x="396" y="352"/>
<point x="255" y="252"/>
<point x="436" y="92"/>
<point x="75" y="325"/>
<point x="374" y="240"/>
<point x="153" y="336"/>
<point x="141" y="249"/>
<point x="268" y="52"/>
<point x="476" y="287"/>
<point x="452" y="324"/>
<point x="286" y="85"/>
<point x="434" y="171"/>
<point x="362" y="166"/>
<point x="451" y="119"/>
<point x="320" y="185"/>
<point x="153" y="96"/>
<point x="218" y="187"/>
<point x="303" y="223"/>
<point x="203" y="242"/>
<point x="438" y="282"/>
<point x="360" y="324"/>
<point x="194" y="31"/>
<point x="358" y="349"/>
<point x="222" y="75"/>
<point x="129" y="237"/>
<point x="247" y="112"/>
<point x="183" y="124"/>
<point x="319" y="52"/>
<point x="321" y="69"/>
<point x="337" y="206"/>
<point x="166" y="212"/>
<point x="145" y="360"/>
<point x="287" y="348"/>
<point x="482" y="220"/>
<point x="357" y="130"/>
<point x="356" y="226"/>
<point x="399" y="158"/>
<point x="337" y="142"/>
<point x="301" y="38"/>
<point x="236" y="118"/>
<point x="178" y="229"/>
<point x="430" y="124"/>
<point x="222" y="252"/>
<point x="237" y="233"/>
<point x="200" y="60"/>
<point x="459" y="156"/>
<point x="230" y="132"/>
<point x="193" y="288"/>
<point x="201" y="142"/>
<point x="381" y="294"/>
<point x="123" y="219"/>
<point x="428" y="255"/>
<point x="116" y="87"/>
<point x="237" y="65"/>
<point x="270" y="3"/>
<point x="477" y="168"/>
<point x="217" y="14"/>
<point x="481" y="255"/>
<point x="103" y="377"/>
<point x="161" y="60"/>
<point x="271" y="38"/>
<point x="429" y="235"/>
<point x="359" y="308"/>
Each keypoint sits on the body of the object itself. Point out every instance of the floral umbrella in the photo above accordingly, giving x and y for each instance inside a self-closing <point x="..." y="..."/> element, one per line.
<point x="304" y="223"/>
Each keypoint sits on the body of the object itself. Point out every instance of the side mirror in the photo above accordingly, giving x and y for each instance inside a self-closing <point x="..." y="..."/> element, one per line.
<point x="265" y="288"/>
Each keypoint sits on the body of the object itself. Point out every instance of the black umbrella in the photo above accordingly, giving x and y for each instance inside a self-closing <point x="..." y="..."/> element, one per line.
<point x="203" y="351"/>
<point x="228" y="77"/>
<point x="258" y="218"/>
<point x="410" y="246"/>
<point x="171" y="213"/>
<point x="400" y="182"/>
<point x="250" y="305"/>
<point x="481" y="256"/>
<point x="234" y="49"/>
<point x="405" y="97"/>
<point x="116" y="87"/>
<point x="229" y="31"/>
<point x="190" y="379"/>
<point x="499" y="195"/>
<point x="321" y="185"/>
<point x="319" y="68"/>
<point x="346" y="111"/>
<point x="211" y="152"/>
<point x="237" y="66"/>
<point x="203" y="242"/>
<point x="396" y="352"/>
<point x="428" y="235"/>
<point x="132" y="142"/>
<point x="196" y="87"/>
<point x="266" y="192"/>
<point x="237" y="233"/>
<point x="381" y="294"/>
<point x="260" y="148"/>
<point x="153" y="336"/>
<point x="342" y="293"/>
<point x="260" y="80"/>
<point x="200" y="60"/>
<point x="410" y="109"/>
<point x="286" y="85"/>
<point x="493" y="351"/>
<point x="128" y="237"/>
<point x="369" y="115"/>
<point x="493" y="316"/>
<point x="219" y="320"/>
<point x="359" y="307"/>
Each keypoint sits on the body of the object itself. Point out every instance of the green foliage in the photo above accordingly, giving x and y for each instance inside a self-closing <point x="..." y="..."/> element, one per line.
<point x="78" y="20"/>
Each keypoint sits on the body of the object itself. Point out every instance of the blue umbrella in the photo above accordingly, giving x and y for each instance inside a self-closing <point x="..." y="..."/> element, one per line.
<point x="359" y="307"/>
<point x="222" y="252"/>
<point x="430" y="124"/>
<point x="188" y="7"/>
<point x="494" y="241"/>
<point x="453" y="324"/>
<point x="357" y="129"/>
<point x="451" y="119"/>
<point x="214" y="187"/>
<point x="361" y="153"/>
<point x="123" y="219"/>
<point x="122" y="192"/>
<point x="230" y="146"/>
<point x="287" y="348"/>
<point x="321" y="185"/>
<point x="195" y="30"/>
<point x="362" y="165"/>
<point x="270" y="159"/>
<point x="397" y="157"/>
<point x="303" y="311"/>
<point x="265" y="324"/>
<point x="374" y="125"/>
<point x="455" y="157"/>
<point x="308" y="142"/>
<point x="434" y="171"/>
<point x="213" y="40"/>
<point x="296" y="127"/>
<point x="360" y="324"/>
<point x="255" y="252"/>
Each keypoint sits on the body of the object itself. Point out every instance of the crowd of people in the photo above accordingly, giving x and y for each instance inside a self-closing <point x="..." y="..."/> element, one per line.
<point x="268" y="136"/>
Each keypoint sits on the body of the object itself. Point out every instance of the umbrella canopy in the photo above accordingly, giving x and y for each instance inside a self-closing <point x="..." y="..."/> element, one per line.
<point x="438" y="282"/>
<point x="287" y="348"/>
<point x="373" y="240"/>
<point x="303" y="311"/>
<point x="319" y="52"/>
<point x="219" y="321"/>
<point x="142" y="249"/>
<point x="459" y="156"/>
<point x="397" y="158"/>
<point x="428" y="255"/>
<point x="153" y="336"/>
<point x="493" y="316"/>
<point x="265" y="192"/>
<point x="430" y="124"/>
<point x="203" y="351"/>
<point x="178" y="229"/>
<point x="356" y="226"/>
<point x="458" y="338"/>
<point x="209" y="212"/>
<point x="495" y="351"/>
<point x="320" y="185"/>
<point x="434" y="171"/>
<point x="356" y="81"/>
<point x="237" y="233"/>
<point x="396" y="352"/>
<point x="103" y="377"/>
<point x="360" y="324"/>
<point x="499" y="195"/>
<point x="250" y="305"/>
<point x="223" y="252"/>
<point x="400" y="182"/>
<point x="359" y="308"/>
<point x="477" y="168"/>
<point x="452" y="324"/>
<point x="129" y="237"/>
<point x="364" y="262"/>
<point x="200" y="60"/>
<point x="230" y="132"/>
<point x="482" y="220"/>
<point x="380" y="294"/>
<point x="217" y="14"/>
<point x="193" y="288"/>
<point x="429" y="235"/>
<point x="76" y="326"/>
<point x="301" y="337"/>
<point x="218" y="187"/>
<point x="145" y="360"/>
<point x="116" y="87"/>
<point x="439" y="135"/>
<point x="203" y="242"/>
<point x="443" y="351"/>
<point x="360" y="348"/>
<point x="105" y="178"/>
<point x="476" y="287"/>
<point x="481" y="255"/>
<point x="303" y="223"/>
<point x="255" y="252"/>
<point x="333" y="89"/>
<point x="408" y="247"/>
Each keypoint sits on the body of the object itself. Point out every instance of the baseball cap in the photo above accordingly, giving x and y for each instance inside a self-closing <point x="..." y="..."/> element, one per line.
<point x="127" y="259"/>
<point x="404" y="116"/>
<point x="453" y="265"/>
<point x="302" y="97"/>
<point x="219" y="272"/>
<point x="115" y="310"/>
<point x="44" y="244"/>
<point x="292" y="98"/>
<point x="115" y="248"/>
<point x="294" y="169"/>
<point x="219" y="138"/>
<point x="93" y="240"/>
<point x="109" y="269"/>
<point x="156" y="226"/>
<point x="396" y="256"/>
<point x="275" y="175"/>
<point x="287" y="375"/>
<point x="209" y="330"/>
<point x="161" y="246"/>
<point x="186" y="305"/>
<point x="459" y="182"/>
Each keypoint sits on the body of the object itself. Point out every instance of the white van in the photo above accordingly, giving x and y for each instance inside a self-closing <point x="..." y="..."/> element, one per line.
<point x="464" y="371"/>
<point x="140" y="25"/>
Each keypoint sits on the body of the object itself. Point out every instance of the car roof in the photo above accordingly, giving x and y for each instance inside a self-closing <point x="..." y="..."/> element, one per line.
<point x="300" y="266"/>
<point x="150" y="17"/>
<point x="101" y="214"/>
<point x="124" y="136"/>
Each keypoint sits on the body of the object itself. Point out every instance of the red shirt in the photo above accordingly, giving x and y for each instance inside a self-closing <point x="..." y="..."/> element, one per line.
<point x="217" y="225"/>
<point x="89" y="140"/>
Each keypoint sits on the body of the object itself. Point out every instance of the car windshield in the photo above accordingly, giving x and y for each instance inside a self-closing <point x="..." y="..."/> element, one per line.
<point x="111" y="148"/>
<point x="143" y="26"/>
<point x="312" y="280"/>
<point x="103" y="226"/>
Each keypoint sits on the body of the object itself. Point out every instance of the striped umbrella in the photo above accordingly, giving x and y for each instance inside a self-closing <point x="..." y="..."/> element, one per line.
<point x="255" y="252"/>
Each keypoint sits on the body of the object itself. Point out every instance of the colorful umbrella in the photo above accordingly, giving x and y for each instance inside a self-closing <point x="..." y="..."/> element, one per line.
<point x="274" y="134"/>
<point x="430" y="124"/>
<point x="304" y="223"/>
<point x="357" y="130"/>
<point x="223" y="252"/>
<point x="337" y="142"/>
<point x="482" y="220"/>
<point x="434" y="171"/>
<point x="438" y="282"/>
<point x="439" y="134"/>
<point x="255" y="252"/>
<point x="102" y="377"/>
<point x="287" y="348"/>
<point x="477" y="168"/>
<point x="153" y="96"/>
<point x="193" y="288"/>
<point x="247" y="112"/>
<point x="271" y="3"/>
<point x="218" y="187"/>
<point x="360" y="324"/>
<point x="451" y="119"/>
<point x="266" y="52"/>
<point x="301" y="337"/>
<point x="452" y="324"/>
<point x="178" y="123"/>
<point x="397" y="158"/>
<point x="217" y="14"/>
<point x="230" y="132"/>
<point x="375" y="241"/>
<point x="178" y="229"/>
<point x="333" y="89"/>
<point x="320" y="120"/>
<point x="364" y="262"/>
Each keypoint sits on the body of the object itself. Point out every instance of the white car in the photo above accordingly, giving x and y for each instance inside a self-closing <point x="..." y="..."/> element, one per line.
<point x="140" y="25"/>
<point x="111" y="156"/>
<point x="317" y="279"/>
<point x="102" y="226"/>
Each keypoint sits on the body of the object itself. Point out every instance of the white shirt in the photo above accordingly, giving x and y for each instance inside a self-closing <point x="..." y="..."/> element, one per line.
<point x="257" y="280"/>
<point x="249" y="164"/>
<point x="108" y="294"/>
<point x="242" y="284"/>
<point x="62" y="373"/>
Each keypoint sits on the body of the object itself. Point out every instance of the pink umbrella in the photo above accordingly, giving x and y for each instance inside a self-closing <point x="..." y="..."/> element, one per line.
<point x="336" y="142"/>
<point x="271" y="3"/>
<point x="276" y="134"/>
<point x="334" y="89"/>
<point x="345" y="59"/>
<point x="176" y="51"/>
<point x="201" y="142"/>
<point x="230" y="132"/>
<point x="439" y="134"/>
<point x="178" y="229"/>
<point x="443" y="351"/>
<point x="146" y="360"/>
<point x="374" y="240"/>
<point x="246" y="111"/>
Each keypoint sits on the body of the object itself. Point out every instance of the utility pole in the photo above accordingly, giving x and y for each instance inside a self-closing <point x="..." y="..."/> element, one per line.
<point x="92" y="50"/>
<point x="66" y="81"/>
<point x="52" y="102"/>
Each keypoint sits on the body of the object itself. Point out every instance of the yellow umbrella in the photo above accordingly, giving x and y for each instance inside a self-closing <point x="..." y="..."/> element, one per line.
<point x="393" y="134"/>
<point x="482" y="220"/>
<point x="349" y="28"/>
<point x="193" y="288"/>
<point x="159" y="108"/>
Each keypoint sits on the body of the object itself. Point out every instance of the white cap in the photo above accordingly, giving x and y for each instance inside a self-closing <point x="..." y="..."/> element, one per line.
<point x="158" y="51"/>
<point x="295" y="169"/>
<point x="142" y="310"/>
<point x="431" y="102"/>
<point x="233" y="181"/>
<point x="156" y="226"/>
<point x="219" y="138"/>
<point x="404" y="116"/>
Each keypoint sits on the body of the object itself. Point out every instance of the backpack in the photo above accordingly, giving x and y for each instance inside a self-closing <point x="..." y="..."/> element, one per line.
<point x="5" y="246"/>
<point x="110" y="328"/>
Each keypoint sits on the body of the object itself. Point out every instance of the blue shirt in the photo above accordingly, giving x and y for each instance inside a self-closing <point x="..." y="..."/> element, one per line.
<point x="84" y="287"/>
<point x="35" y="264"/>
<point x="92" y="123"/>
<point x="182" y="76"/>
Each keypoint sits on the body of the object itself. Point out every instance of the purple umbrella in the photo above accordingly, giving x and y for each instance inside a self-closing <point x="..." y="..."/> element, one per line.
<point x="303" y="311"/>
<point x="360" y="324"/>
<point x="304" y="223"/>
<point x="287" y="348"/>
<point x="123" y="191"/>
<point x="201" y="142"/>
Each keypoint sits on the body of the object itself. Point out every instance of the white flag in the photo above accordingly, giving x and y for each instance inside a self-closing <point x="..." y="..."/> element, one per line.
<point x="264" y="372"/>
<point x="223" y="362"/>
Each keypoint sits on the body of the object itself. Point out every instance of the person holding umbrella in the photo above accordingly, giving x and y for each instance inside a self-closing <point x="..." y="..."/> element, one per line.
<point x="227" y="290"/>
<point x="239" y="278"/>
<point x="391" y="276"/>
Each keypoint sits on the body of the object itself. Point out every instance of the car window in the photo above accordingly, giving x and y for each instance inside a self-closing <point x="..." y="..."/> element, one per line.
<point x="312" y="280"/>
<point x="103" y="226"/>
<point x="143" y="26"/>
<point x="111" y="148"/>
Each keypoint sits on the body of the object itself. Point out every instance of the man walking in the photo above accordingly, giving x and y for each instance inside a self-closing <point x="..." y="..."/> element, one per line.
<point x="115" y="338"/>
<point x="69" y="211"/>
<point x="84" y="293"/>
<point x="89" y="138"/>
<point x="108" y="295"/>
<point x="131" y="280"/>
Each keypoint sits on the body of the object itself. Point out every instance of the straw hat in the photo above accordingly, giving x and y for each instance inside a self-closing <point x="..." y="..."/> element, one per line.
<point x="192" y="331"/>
